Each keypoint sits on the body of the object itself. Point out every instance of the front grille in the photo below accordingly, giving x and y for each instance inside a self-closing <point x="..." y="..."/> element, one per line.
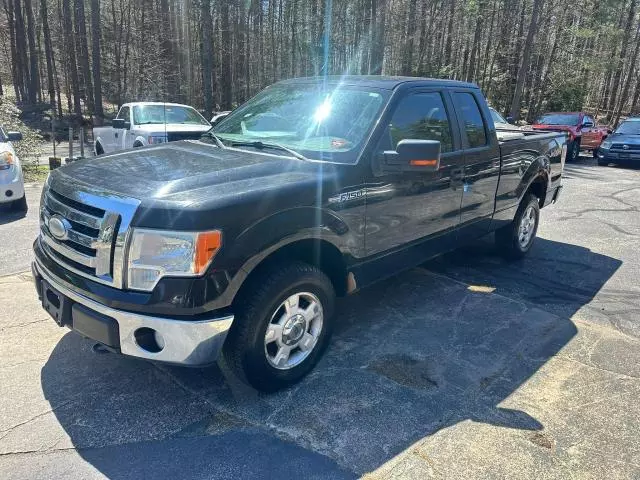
<point x="620" y="146"/>
<point x="86" y="234"/>
<point x="175" y="136"/>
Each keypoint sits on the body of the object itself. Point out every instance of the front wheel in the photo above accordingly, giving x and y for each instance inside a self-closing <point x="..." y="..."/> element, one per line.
<point x="573" y="151"/>
<point x="282" y="326"/>
<point x="515" y="240"/>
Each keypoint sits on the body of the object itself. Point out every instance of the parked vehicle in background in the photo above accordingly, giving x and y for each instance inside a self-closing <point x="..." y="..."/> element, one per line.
<point x="580" y="127"/>
<point x="149" y="123"/>
<point x="623" y="145"/>
<point x="244" y="243"/>
<point x="11" y="177"/>
<point x="504" y="129"/>
<point x="217" y="117"/>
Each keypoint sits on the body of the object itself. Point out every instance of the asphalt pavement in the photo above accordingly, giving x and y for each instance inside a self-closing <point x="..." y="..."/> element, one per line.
<point x="467" y="367"/>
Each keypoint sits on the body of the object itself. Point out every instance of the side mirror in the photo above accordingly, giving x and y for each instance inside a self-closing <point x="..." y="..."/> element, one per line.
<point x="509" y="119"/>
<point x="587" y="124"/>
<point x="120" y="123"/>
<point x="14" y="136"/>
<point x="413" y="156"/>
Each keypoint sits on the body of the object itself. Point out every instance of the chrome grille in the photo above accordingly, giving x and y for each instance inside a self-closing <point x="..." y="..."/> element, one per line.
<point x="92" y="239"/>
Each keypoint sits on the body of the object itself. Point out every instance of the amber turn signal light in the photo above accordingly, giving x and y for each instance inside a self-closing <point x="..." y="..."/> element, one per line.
<point x="423" y="163"/>
<point x="207" y="245"/>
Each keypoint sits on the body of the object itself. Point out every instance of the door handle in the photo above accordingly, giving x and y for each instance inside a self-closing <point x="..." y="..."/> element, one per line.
<point x="116" y="134"/>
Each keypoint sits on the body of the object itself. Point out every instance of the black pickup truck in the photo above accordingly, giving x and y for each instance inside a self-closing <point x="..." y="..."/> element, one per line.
<point x="315" y="188"/>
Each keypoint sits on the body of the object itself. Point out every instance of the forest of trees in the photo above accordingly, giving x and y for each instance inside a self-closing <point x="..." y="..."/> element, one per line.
<point x="527" y="55"/>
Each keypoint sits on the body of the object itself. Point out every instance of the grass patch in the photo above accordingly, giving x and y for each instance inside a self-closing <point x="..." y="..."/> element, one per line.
<point x="35" y="173"/>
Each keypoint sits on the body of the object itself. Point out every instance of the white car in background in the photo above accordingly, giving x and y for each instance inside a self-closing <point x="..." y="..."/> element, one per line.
<point x="148" y="123"/>
<point x="504" y="129"/>
<point x="218" y="116"/>
<point x="11" y="178"/>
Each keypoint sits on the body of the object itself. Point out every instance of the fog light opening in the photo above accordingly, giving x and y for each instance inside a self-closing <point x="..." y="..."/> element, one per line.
<point x="149" y="340"/>
<point x="9" y="193"/>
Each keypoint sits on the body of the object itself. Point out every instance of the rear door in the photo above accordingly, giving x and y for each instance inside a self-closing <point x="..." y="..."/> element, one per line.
<point x="481" y="162"/>
<point x="412" y="206"/>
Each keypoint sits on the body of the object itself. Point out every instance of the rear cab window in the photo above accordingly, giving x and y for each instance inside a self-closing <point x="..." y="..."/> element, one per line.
<point x="473" y="125"/>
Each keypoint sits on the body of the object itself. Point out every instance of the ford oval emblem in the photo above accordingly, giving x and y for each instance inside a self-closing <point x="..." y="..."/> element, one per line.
<point x="58" y="227"/>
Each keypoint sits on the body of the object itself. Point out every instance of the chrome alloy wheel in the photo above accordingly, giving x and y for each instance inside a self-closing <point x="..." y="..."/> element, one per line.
<point x="527" y="227"/>
<point x="293" y="331"/>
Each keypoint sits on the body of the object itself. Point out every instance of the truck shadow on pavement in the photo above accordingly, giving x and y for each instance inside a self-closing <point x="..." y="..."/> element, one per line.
<point x="410" y="356"/>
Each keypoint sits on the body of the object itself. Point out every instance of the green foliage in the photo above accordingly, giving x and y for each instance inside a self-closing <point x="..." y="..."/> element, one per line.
<point x="567" y="96"/>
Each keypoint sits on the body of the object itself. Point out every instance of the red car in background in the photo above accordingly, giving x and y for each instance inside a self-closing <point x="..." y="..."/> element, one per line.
<point x="581" y="127"/>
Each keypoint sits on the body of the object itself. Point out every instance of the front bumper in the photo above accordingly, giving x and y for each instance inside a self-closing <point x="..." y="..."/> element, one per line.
<point x="181" y="342"/>
<point x="12" y="191"/>
<point x="618" y="156"/>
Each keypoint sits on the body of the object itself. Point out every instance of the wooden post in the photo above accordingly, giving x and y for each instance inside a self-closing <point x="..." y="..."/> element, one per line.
<point x="71" y="143"/>
<point x="82" y="142"/>
<point x="53" y="133"/>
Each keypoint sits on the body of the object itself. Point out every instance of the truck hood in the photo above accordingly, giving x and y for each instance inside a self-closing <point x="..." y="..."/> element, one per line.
<point x="625" y="139"/>
<point x="172" y="127"/>
<point x="189" y="174"/>
<point x="554" y="128"/>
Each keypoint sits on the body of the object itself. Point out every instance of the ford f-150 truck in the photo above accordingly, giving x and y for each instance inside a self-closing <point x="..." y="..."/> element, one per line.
<point x="315" y="188"/>
<point x="149" y="123"/>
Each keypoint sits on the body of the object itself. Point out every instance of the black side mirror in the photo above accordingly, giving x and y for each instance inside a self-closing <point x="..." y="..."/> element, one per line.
<point x="509" y="119"/>
<point x="413" y="156"/>
<point x="14" y="136"/>
<point x="120" y="123"/>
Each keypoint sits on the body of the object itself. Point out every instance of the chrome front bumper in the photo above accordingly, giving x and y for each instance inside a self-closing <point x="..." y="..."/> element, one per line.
<point x="189" y="343"/>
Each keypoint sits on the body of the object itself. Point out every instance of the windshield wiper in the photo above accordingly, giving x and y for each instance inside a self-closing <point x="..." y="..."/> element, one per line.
<point x="216" y="138"/>
<point x="261" y="145"/>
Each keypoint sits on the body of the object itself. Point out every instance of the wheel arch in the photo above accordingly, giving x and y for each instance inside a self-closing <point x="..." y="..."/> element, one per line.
<point x="315" y="251"/>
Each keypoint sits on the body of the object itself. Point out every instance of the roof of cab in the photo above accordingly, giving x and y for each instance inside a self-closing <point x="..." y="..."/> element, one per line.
<point x="380" y="81"/>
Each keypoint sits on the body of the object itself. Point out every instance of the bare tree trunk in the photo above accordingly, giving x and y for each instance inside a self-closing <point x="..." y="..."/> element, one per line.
<point x="96" y="35"/>
<point x="207" y="55"/>
<point x="526" y="54"/>
<point x="407" y="60"/>
<point x="71" y="56"/>
<point x="623" y="53"/>
<point x="83" y="52"/>
<point x="227" y="94"/>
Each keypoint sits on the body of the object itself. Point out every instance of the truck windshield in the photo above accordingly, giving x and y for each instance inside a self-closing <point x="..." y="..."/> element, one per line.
<point x="328" y="123"/>
<point x="629" y="128"/>
<point x="151" y="114"/>
<point x="559" y="119"/>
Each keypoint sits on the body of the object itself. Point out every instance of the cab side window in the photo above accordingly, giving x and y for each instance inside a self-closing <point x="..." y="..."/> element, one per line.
<point x="467" y="107"/>
<point x="123" y="114"/>
<point x="422" y="116"/>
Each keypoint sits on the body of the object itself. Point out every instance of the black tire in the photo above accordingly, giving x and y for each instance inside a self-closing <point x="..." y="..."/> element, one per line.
<point x="137" y="145"/>
<point x="245" y="349"/>
<point x="594" y="152"/>
<point x="20" y="205"/>
<point x="508" y="237"/>
<point x="603" y="163"/>
<point x="573" y="151"/>
<point x="99" y="149"/>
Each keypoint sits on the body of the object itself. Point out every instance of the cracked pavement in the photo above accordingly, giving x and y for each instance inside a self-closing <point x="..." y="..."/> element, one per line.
<point x="466" y="367"/>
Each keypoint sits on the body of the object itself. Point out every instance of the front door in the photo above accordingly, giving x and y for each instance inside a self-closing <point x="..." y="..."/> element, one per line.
<point x="407" y="207"/>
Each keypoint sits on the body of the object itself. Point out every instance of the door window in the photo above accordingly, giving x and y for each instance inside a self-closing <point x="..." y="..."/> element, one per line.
<point x="123" y="114"/>
<point x="422" y="116"/>
<point x="468" y="108"/>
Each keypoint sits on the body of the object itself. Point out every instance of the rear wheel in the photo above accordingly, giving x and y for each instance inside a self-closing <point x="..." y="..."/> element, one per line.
<point x="99" y="149"/>
<point x="282" y="326"/>
<point x="515" y="240"/>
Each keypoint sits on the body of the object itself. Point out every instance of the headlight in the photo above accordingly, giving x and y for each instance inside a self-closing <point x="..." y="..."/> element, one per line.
<point x="157" y="139"/>
<point x="606" y="144"/>
<point x="154" y="254"/>
<point x="6" y="160"/>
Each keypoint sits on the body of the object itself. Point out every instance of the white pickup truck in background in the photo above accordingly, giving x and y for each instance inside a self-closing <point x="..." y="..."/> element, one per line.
<point x="148" y="123"/>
